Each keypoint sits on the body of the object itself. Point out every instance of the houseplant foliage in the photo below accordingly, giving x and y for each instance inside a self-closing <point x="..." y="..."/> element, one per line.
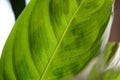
<point x="55" y="39"/>
<point x="110" y="68"/>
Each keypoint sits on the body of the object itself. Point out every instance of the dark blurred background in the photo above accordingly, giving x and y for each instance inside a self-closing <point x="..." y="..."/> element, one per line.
<point x="115" y="31"/>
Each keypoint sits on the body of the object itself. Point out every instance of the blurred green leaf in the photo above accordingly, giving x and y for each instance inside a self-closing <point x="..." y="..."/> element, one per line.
<point x="102" y="70"/>
<point x="54" y="39"/>
<point x="111" y="74"/>
<point x="110" y="51"/>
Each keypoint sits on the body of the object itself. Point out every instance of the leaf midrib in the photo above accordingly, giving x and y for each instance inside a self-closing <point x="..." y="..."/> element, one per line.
<point x="59" y="43"/>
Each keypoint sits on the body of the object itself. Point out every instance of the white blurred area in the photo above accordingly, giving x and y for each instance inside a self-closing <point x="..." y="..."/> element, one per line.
<point x="7" y="21"/>
<point x="27" y="1"/>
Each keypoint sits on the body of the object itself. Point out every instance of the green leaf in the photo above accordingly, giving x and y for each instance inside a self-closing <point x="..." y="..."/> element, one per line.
<point x="113" y="70"/>
<point x="54" y="39"/>
<point x="110" y="51"/>
<point x="102" y="66"/>
<point x="111" y="74"/>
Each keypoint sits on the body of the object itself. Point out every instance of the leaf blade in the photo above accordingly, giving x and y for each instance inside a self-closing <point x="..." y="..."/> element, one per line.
<point x="78" y="38"/>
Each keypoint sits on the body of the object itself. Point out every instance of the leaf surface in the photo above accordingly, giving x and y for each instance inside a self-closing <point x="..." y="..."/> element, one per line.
<point x="54" y="39"/>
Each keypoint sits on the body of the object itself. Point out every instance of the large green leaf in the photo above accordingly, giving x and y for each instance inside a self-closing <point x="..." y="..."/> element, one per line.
<point x="54" y="39"/>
